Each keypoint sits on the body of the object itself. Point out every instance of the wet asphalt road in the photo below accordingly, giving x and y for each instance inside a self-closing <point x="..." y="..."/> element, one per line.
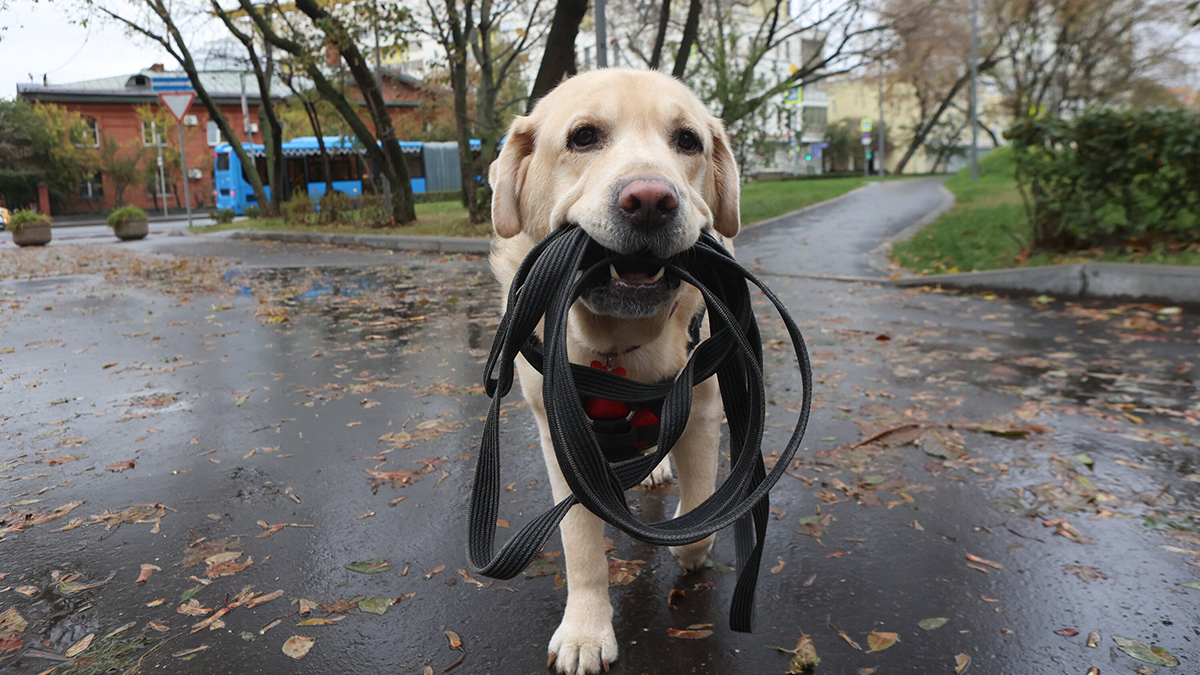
<point x="834" y="238"/>
<point x="244" y="386"/>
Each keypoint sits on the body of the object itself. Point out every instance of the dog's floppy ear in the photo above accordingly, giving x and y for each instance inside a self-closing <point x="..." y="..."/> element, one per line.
<point x="507" y="177"/>
<point x="724" y="186"/>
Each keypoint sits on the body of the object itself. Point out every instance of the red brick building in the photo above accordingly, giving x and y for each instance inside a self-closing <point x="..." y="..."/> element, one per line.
<point x="110" y="110"/>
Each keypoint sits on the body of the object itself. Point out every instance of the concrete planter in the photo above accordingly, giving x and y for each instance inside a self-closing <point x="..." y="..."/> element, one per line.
<point x="32" y="234"/>
<point x="134" y="228"/>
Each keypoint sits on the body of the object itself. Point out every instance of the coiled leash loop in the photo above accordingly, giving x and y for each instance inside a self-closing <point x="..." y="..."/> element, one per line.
<point x="733" y="353"/>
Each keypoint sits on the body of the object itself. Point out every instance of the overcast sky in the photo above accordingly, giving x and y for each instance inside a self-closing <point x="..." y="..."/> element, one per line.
<point x="40" y="39"/>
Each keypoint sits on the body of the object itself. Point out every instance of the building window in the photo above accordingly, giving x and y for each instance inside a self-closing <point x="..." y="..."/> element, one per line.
<point x="214" y="133"/>
<point x="89" y="135"/>
<point x="148" y="132"/>
<point x="92" y="187"/>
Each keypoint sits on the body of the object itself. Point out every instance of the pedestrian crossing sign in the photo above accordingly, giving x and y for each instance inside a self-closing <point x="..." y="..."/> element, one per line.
<point x="794" y="96"/>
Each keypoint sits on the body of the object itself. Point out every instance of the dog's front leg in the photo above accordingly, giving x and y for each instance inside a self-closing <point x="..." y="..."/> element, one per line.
<point x="584" y="643"/>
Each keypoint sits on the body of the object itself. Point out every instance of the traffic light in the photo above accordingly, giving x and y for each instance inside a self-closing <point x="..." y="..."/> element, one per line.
<point x="868" y="154"/>
<point x="808" y="157"/>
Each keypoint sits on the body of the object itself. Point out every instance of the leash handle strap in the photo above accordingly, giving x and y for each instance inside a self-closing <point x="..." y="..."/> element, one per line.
<point x="733" y="352"/>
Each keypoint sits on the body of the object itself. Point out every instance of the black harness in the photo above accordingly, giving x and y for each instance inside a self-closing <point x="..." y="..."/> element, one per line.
<point x="733" y="352"/>
<point x="633" y="427"/>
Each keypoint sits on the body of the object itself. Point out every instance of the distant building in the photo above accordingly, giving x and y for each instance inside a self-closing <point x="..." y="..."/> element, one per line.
<point x="109" y="106"/>
<point x="853" y="99"/>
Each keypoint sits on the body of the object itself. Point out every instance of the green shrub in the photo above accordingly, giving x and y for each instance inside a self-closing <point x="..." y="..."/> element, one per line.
<point x="1109" y="177"/>
<point x="223" y="216"/>
<point x="298" y="211"/>
<point x="438" y="196"/>
<point x="369" y="212"/>
<point x="26" y="217"/>
<point x="124" y="215"/>
<point x="18" y="186"/>
<point x="251" y="212"/>
<point x="333" y="205"/>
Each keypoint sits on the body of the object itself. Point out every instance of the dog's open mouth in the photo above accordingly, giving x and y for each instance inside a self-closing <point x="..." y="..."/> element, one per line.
<point x="634" y="288"/>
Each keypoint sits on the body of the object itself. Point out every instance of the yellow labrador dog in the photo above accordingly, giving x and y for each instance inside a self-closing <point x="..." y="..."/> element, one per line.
<point x="637" y="161"/>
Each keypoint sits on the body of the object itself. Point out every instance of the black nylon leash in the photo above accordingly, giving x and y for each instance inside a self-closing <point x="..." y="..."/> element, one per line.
<point x="733" y="352"/>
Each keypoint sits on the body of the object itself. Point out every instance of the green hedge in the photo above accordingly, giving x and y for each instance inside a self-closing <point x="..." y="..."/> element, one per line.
<point x="18" y="188"/>
<point x="337" y="208"/>
<point x="1108" y="177"/>
<point x="437" y="196"/>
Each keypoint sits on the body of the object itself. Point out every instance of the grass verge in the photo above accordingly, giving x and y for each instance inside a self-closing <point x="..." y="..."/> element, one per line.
<point x="987" y="228"/>
<point x="760" y="201"/>
<point x="768" y="199"/>
<point x="436" y="219"/>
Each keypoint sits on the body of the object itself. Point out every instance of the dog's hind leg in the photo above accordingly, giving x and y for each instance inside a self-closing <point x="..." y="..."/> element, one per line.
<point x="661" y="475"/>
<point x="696" y="463"/>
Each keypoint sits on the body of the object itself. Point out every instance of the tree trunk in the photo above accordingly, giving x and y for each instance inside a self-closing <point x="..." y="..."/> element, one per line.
<point x="558" y="59"/>
<point x="457" y="48"/>
<point x="690" y="29"/>
<point x="486" y="122"/>
<point x="660" y="37"/>
<point x="923" y="130"/>
<point x="387" y="160"/>
<point x="184" y="57"/>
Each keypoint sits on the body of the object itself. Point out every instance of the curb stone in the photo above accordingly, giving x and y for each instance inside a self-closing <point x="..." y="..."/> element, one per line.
<point x="390" y="242"/>
<point x="1176" y="284"/>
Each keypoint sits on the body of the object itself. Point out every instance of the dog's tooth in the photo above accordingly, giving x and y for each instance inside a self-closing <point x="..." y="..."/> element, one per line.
<point x="612" y="269"/>
<point x="659" y="274"/>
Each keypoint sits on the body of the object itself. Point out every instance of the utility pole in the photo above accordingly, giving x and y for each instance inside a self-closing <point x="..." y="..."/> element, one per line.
<point x="162" y="176"/>
<point x="601" y="36"/>
<point x="882" y="164"/>
<point x="974" y="90"/>
<point x="187" y="192"/>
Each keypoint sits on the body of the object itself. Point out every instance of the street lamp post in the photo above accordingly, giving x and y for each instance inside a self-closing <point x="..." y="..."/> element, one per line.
<point x="974" y="90"/>
<point x="882" y="163"/>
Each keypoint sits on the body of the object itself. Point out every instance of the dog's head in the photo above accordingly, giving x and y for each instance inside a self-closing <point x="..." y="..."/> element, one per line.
<point x="632" y="157"/>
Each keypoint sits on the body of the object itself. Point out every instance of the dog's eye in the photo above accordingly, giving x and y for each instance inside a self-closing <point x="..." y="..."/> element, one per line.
<point x="583" y="137"/>
<point x="688" y="141"/>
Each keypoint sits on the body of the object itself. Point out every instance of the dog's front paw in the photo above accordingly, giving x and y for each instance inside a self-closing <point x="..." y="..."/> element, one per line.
<point x="661" y="475"/>
<point x="583" y="645"/>
<point x="693" y="556"/>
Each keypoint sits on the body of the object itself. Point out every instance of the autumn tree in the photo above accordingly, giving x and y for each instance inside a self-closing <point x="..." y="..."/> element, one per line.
<point x="263" y="66"/>
<point x="317" y="29"/>
<point x="928" y="54"/>
<point x="157" y="21"/>
<point x="119" y="165"/>
<point x="738" y="40"/>
<point x="1065" y="55"/>
<point x="39" y="143"/>
<point x="483" y="63"/>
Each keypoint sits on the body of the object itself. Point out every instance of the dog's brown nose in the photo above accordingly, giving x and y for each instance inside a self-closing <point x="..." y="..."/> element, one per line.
<point x="648" y="203"/>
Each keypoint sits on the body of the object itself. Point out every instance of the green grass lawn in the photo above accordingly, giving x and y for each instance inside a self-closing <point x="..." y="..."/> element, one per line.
<point x="760" y="201"/>
<point x="768" y="199"/>
<point x="987" y="227"/>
